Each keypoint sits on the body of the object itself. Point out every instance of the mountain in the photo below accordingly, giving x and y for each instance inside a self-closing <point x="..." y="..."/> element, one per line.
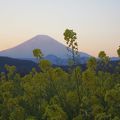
<point x="114" y="58"/>
<point x="48" y="45"/>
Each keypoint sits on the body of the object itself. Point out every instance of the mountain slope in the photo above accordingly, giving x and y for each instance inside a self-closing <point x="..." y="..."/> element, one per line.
<point x="48" y="45"/>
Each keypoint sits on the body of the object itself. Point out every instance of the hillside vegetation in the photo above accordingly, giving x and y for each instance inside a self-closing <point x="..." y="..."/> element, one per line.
<point x="53" y="94"/>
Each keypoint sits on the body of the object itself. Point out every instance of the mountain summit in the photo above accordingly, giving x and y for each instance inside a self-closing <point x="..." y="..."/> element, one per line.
<point x="48" y="45"/>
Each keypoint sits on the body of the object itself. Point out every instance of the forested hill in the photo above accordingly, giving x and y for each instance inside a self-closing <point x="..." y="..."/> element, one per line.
<point x="23" y="66"/>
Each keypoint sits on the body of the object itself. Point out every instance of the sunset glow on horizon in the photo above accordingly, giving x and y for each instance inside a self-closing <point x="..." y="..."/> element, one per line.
<point x="96" y="22"/>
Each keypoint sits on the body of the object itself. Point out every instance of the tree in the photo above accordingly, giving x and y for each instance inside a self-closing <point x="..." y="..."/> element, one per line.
<point x="102" y="54"/>
<point x="118" y="51"/>
<point x="113" y="104"/>
<point x="77" y="74"/>
<point x="45" y="65"/>
<point x="38" y="54"/>
<point x="103" y="60"/>
<point x="118" y="66"/>
<point x="92" y="63"/>
<point x="54" y="112"/>
<point x="70" y="37"/>
<point x="11" y="70"/>
<point x="103" y="57"/>
<point x="17" y="114"/>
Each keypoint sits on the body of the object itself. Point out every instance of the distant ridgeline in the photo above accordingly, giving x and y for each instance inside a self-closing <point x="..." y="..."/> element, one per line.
<point x="25" y="66"/>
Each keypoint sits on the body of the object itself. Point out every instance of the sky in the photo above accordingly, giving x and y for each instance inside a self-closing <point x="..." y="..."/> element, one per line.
<point x="96" y="22"/>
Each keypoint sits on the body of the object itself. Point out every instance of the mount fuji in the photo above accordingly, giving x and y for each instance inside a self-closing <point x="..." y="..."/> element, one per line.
<point x="51" y="48"/>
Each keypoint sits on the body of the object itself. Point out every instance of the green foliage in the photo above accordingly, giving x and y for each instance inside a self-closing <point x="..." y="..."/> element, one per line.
<point x="53" y="94"/>
<point x="118" y="51"/>
<point x="103" y="60"/>
<point x="45" y="65"/>
<point x="103" y="57"/>
<point x="70" y="37"/>
<point x="17" y="114"/>
<point x="31" y="118"/>
<point x="38" y="54"/>
<point x="79" y="117"/>
<point x="92" y="63"/>
<point x="55" y="112"/>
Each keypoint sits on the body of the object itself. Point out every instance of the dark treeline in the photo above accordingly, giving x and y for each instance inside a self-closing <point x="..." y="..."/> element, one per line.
<point x="24" y="67"/>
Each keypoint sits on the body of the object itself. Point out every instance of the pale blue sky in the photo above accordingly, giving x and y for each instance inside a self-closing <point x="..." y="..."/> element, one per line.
<point x="97" y="22"/>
